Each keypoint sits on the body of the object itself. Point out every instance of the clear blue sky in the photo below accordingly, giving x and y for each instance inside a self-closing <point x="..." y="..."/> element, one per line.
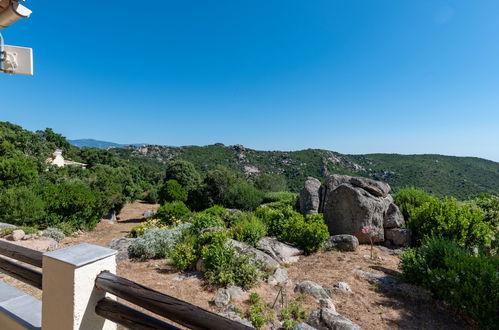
<point x="350" y="76"/>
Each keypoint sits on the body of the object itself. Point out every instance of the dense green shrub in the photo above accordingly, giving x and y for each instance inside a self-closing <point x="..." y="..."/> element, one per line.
<point x="21" y="206"/>
<point x="276" y="218"/>
<point x="184" y="255"/>
<point x="151" y="196"/>
<point x="202" y="221"/>
<point x="184" y="173"/>
<point x="225" y="267"/>
<point x="218" y="181"/>
<point x="249" y="229"/>
<point x="155" y="243"/>
<point x="170" y="212"/>
<point x="73" y="203"/>
<point x="280" y="199"/>
<point x="54" y="233"/>
<point x="172" y="191"/>
<point x="452" y="220"/>
<point x="409" y="199"/>
<point x="217" y="210"/>
<point x="468" y="282"/>
<point x="15" y="171"/>
<point x="271" y="182"/>
<point x="243" y="196"/>
<point x="309" y="232"/>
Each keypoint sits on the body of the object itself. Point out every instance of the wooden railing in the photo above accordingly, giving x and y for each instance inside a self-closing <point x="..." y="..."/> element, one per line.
<point x="176" y="310"/>
<point x="22" y="273"/>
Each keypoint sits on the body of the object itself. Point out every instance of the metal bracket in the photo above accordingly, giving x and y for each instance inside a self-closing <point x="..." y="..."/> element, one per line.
<point x="3" y="55"/>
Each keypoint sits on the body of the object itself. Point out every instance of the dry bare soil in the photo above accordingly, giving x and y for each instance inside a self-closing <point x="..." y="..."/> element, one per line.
<point x="367" y="305"/>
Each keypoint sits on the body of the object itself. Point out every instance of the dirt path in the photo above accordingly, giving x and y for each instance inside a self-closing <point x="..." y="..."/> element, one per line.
<point x="130" y="216"/>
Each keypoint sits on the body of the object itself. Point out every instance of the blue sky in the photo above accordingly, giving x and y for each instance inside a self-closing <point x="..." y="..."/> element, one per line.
<point x="350" y="76"/>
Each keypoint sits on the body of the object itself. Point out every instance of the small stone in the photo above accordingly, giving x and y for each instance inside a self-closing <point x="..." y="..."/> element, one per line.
<point x="231" y="313"/>
<point x="342" y="242"/>
<point x="200" y="265"/>
<point x="328" y="319"/>
<point x="222" y="298"/>
<point x="149" y="213"/>
<point x="235" y="291"/>
<point x="121" y="245"/>
<point x="342" y="286"/>
<point x="280" y="276"/>
<point x="399" y="236"/>
<point x="303" y="326"/>
<point x="17" y="235"/>
<point x="313" y="289"/>
<point x="327" y="303"/>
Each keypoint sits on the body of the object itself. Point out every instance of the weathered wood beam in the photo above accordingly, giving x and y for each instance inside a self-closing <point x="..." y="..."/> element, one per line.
<point x="129" y="317"/>
<point x="174" y="309"/>
<point x="22" y="273"/>
<point x="21" y="253"/>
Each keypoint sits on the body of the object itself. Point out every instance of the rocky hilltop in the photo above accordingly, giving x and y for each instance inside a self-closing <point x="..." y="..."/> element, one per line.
<point x="460" y="177"/>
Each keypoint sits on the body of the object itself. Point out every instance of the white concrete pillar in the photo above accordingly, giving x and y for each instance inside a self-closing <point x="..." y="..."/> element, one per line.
<point x="69" y="293"/>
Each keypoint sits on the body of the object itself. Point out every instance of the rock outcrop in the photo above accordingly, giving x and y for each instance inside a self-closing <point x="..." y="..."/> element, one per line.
<point x="342" y="242"/>
<point x="310" y="198"/>
<point x="351" y="203"/>
<point x="281" y="252"/>
<point x="326" y="319"/>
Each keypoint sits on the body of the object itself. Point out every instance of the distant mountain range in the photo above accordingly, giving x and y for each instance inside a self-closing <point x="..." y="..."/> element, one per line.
<point x="80" y="143"/>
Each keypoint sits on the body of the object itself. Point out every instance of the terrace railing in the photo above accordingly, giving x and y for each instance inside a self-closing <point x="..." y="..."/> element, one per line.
<point x="79" y="290"/>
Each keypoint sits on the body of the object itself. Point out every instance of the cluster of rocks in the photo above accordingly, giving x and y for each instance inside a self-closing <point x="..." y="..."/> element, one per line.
<point x="326" y="317"/>
<point x="33" y="241"/>
<point x="351" y="203"/>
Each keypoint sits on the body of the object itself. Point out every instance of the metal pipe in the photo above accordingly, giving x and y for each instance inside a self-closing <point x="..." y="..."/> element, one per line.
<point x="2" y="54"/>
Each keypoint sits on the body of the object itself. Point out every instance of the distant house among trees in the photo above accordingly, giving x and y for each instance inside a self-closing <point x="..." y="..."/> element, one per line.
<point x="58" y="160"/>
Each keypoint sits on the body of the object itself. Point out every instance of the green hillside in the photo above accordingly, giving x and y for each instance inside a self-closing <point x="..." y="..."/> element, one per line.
<point x="441" y="175"/>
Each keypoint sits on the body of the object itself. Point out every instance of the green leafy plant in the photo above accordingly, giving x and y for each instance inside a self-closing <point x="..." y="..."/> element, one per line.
<point x="202" y="221"/>
<point x="452" y="220"/>
<point x="309" y="232"/>
<point x="155" y="243"/>
<point x="172" y="211"/>
<point x="468" y="282"/>
<point x="172" y="191"/>
<point x="243" y="196"/>
<point x="54" y="233"/>
<point x="249" y="229"/>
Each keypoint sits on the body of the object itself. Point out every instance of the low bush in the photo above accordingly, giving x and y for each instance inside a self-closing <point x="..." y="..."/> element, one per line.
<point x="249" y="229"/>
<point x="225" y="267"/>
<point x="468" y="282"/>
<point x="172" y="211"/>
<point x="67" y="228"/>
<point x="309" y="232"/>
<point x="184" y="256"/>
<point x="202" y="221"/>
<point x="217" y="210"/>
<point x="172" y="191"/>
<point x="280" y="199"/>
<point x="155" y="243"/>
<point x="243" y="196"/>
<point x="21" y="206"/>
<point x="276" y="218"/>
<point x="54" y="233"/>
<point x="452" y="220"/>
<point x="409" y="199"/>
